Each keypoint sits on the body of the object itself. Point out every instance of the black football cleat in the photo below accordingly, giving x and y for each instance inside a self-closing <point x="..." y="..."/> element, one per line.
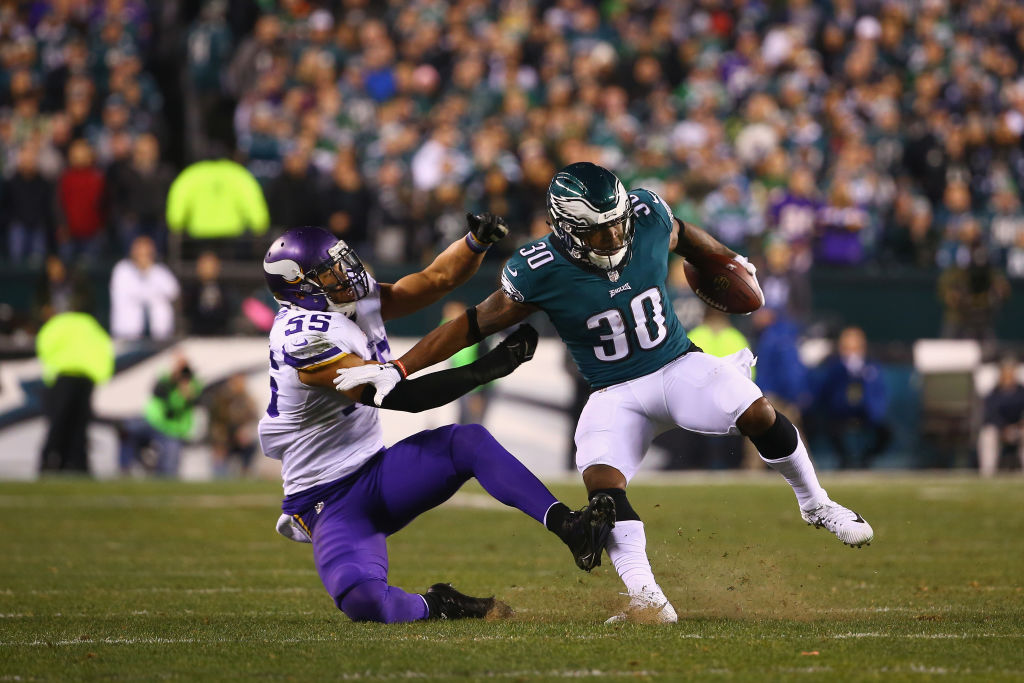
<point x="444" y="602"/>
<point x="586" y="531"/>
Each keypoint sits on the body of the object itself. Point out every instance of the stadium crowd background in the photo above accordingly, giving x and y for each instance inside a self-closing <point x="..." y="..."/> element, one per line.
<point x="813" y="135"/>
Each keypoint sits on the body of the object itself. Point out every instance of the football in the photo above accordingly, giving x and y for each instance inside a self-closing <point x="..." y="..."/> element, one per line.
<point x="724" y="284"/>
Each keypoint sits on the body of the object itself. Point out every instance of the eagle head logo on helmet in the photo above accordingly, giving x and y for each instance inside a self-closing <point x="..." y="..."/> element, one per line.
<point x="590" y="213"/>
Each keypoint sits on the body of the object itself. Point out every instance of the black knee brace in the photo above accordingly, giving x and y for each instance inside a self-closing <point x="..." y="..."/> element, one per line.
<point x="623" y="510"/>
<point x="779" y="441"/>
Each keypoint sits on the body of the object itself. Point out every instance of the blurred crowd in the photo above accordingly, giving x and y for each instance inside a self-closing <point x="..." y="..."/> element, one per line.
<point x="854" y="132"/>
<point x="80" y="128"/>
<point x="861" y="134"/>
<point x="836" y="133"/>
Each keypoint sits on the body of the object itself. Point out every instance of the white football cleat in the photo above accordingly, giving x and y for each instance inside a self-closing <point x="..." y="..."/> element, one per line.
<point x="647" y="607"/>
<point x="847" y="525"/>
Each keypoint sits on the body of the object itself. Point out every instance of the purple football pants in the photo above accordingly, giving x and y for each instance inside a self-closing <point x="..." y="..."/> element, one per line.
<point x="403" y="481"/>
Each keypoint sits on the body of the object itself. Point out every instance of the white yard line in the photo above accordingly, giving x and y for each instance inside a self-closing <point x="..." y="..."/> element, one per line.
<point x="348" y="638"/>
<point x="157" y="589"/>
<point x="922" y="636"/>
<point x="162" y="614"/>
<point x="468" y="639"/>
<point x="166" y="612"/>
<point x="526" y="673"/>
<point x="473" y="501"/>
<point x="182" y="501"/>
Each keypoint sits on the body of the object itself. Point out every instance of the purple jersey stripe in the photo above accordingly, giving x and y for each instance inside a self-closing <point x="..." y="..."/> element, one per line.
<point x="312" y="360"/>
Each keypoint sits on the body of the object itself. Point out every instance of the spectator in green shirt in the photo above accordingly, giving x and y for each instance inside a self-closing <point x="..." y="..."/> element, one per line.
<point x="717" y="336"/>
<point x="166" y="424"/>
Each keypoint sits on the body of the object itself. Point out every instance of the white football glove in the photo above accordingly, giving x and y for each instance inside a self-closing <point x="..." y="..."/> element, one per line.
<point x="747" y="265"/>
<point x="290" y="529"/>
<point x="383" y="377"/>
<point x="750" y="268"/>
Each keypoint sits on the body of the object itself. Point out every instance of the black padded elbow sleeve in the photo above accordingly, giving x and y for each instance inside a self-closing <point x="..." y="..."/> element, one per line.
<point x="439" y="388"/>
<point x="429" y="391"/>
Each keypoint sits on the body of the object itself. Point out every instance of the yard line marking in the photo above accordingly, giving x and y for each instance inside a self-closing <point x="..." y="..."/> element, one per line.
<point x="461" y="499"/>
<point x="158" y="641"/>
<point x="182" y="501"/>
<point x="160" y="589"/>
<point x="161" y="613"/>
<point x="526" y="673"/>
<point x="469" y="639"/>
<point x="927" y="636"/>
<point x="162" y="640"/>
<point x="301" y="589"/>
<point x="476" y="501"/>
<point x="924" y="609"/>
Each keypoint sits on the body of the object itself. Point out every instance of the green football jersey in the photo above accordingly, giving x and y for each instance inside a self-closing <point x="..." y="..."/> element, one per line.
<point x="616" y="331"/>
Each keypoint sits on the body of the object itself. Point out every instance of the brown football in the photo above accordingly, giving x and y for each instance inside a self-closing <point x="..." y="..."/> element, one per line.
<point x="724" y="284"/>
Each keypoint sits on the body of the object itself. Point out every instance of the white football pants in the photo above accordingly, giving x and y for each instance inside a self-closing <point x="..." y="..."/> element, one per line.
<point x="696" y="391"/>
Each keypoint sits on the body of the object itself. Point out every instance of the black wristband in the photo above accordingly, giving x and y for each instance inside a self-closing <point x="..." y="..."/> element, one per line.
<point x="474" y="327"/>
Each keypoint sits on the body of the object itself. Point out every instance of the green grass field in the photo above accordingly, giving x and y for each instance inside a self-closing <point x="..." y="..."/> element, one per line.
<point x="158" y="580"/>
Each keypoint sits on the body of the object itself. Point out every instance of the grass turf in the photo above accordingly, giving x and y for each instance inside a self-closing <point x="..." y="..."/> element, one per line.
<point x="162" y="580"/>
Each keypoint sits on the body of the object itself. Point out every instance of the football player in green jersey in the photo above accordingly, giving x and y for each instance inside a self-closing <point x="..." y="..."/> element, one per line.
<point x="600" y="278"/>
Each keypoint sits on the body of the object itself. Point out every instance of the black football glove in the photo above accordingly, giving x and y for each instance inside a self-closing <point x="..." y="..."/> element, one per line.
<point x="503" y="359"/>
<point x="486" y="228"/>
<point x="521" y="344"/>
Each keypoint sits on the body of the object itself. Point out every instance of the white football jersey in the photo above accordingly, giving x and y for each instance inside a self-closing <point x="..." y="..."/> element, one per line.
<point x="318" y="434"/>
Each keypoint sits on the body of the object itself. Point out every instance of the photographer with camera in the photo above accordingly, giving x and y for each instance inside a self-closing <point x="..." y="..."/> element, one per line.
<point x="166" y="424"/>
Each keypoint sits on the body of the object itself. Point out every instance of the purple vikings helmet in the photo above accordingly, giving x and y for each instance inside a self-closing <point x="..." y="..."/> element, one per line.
<point x="296" y="261"/>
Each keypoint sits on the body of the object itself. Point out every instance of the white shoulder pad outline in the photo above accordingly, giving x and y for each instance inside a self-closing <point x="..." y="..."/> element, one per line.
<point x="668" y="209"/>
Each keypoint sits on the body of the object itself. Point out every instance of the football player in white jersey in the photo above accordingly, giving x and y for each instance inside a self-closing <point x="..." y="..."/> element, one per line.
<point x="345" y="491"/>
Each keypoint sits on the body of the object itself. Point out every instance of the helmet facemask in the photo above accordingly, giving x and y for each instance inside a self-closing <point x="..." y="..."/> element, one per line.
<point x="605" y="245"/>
<point x="341" y="278"/>
<point x="590" y="212"/>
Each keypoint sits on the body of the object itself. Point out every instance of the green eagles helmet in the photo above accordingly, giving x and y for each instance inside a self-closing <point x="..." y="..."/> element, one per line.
<point x="590" y="212"/>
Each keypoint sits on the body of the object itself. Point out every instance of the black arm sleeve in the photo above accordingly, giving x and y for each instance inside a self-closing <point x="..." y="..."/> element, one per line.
<point x="440" y="388"/>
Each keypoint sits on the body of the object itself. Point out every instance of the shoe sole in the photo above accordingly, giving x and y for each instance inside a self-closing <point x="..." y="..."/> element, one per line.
<point x="643" y="615"/>
<point x="818" y="525"/>
<point x="601" y="519"/>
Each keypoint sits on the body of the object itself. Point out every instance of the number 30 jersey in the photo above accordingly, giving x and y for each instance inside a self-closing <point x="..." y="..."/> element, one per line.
<point x="318" y="434"/>
<point x="615" y="331"/>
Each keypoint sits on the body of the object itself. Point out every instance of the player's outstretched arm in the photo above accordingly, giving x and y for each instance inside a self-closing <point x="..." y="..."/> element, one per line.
<point x="451" y="268"/>
<point x="496" y="312"/>
<point x="381" y="385"/>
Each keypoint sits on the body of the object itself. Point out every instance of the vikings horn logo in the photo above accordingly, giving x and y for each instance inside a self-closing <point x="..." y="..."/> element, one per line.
<point x="286" y="268"/>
